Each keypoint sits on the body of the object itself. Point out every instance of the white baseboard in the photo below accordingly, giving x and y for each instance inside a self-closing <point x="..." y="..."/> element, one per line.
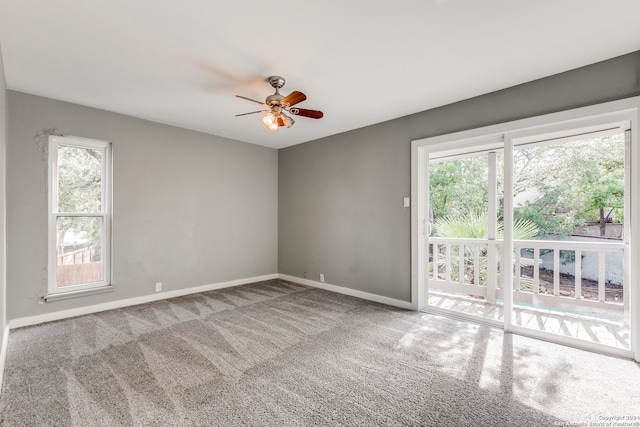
<point x="80" y="311"/>
<point x="3" y="353"/>
<point x="64" y="314"/>
<point x="351" y="292"/>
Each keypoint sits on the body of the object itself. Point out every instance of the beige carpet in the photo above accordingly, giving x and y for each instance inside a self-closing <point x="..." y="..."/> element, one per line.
<point x="276" y="353"/>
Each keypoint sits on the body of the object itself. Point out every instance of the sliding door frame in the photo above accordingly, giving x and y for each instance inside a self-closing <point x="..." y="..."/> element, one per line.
<point x="624" y="114"/>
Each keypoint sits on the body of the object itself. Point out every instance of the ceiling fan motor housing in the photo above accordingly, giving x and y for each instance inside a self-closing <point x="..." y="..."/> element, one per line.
<point x="277" y="82"/>
<point x="273" y="99"/>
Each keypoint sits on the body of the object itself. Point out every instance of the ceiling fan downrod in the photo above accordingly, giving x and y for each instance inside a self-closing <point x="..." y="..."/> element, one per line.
<point x="276" y="82"/>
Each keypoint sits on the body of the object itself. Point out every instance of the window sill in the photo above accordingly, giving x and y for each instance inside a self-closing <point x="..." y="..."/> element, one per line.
<point x="74" y="294"/>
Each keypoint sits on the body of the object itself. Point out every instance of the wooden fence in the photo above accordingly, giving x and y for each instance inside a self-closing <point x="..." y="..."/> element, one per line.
<point x="76" y="267"/>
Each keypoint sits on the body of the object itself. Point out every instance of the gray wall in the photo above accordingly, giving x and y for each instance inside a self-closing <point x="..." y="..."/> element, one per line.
<point x="189" y="209"/>
<point x="340" y="198"/>
<point x="3" y="147"/>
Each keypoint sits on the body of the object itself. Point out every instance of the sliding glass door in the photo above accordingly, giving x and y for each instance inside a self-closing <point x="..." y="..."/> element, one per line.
<point x="530" y="230"/>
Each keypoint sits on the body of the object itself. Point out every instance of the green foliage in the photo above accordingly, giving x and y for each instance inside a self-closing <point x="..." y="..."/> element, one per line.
<point x="475" y="226"/>
<point x="79" y="179"/>
<point x="547" y="214"/>
<point x="523" y="229"/>
<point x="458" y="186"/>
<point x="605" y="191"/>
<point x="573" y="182"/>
<point x="557" y="187"/>
<point x="79" y="191"/>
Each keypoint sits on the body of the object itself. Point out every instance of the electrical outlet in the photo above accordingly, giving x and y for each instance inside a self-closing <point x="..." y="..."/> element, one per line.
<point x="158" y="287"/>
<point x="322" y="277"/>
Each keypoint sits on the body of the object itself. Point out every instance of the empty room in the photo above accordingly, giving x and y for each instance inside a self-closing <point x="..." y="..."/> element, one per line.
<point x="424" y="213"/>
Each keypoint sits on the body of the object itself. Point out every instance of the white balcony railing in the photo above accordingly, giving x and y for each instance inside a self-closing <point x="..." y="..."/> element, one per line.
<point x="472" y="267"/>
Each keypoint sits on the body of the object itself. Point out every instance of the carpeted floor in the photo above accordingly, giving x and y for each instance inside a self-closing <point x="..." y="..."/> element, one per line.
<point x="281" y="354"/>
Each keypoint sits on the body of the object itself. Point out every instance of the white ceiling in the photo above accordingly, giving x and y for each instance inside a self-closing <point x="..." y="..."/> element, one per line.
<point x="359" y="61"/>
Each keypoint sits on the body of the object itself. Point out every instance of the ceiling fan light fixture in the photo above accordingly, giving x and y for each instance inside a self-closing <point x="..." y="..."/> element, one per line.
<point x="269" y="119"/>
<point x="273" y="126"/>
<point x="288" y="121"/>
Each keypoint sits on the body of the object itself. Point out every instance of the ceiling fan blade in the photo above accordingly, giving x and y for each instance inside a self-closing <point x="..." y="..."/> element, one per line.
<point x="313" y="114"/>
<point x="253" y="112"/>
<point x="293" y="98"/>
<point x="252" y="100"/>
<point x="280" y="121"/>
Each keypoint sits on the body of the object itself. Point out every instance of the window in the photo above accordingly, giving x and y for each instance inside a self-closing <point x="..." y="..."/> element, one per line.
<point x="79" y="214"/>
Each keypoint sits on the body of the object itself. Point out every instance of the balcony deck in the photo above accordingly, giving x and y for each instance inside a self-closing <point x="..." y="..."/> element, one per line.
<point x="583" y="327"/>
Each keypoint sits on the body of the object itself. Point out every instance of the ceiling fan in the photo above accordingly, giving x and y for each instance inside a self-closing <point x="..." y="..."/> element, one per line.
<point x="278" y="104"/>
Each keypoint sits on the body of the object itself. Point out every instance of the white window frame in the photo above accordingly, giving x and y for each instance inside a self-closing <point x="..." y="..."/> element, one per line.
<point x="56" y="141"/>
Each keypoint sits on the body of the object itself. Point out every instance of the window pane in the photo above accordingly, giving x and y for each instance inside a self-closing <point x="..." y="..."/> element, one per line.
<point x="78" y="243"/>
<point x="79" y="179"/>
<point x="458" y="197"/>
<point x="572" y="190"/>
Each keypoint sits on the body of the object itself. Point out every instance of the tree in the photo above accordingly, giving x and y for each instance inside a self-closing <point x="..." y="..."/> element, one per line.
<point x="458" y="186"/>
<point x="605" y="193"/>
<point x="475" y="225"/>
<point x="79" y="191"/>
<point x="557" y="186"/>
<point x="570" y="183"/>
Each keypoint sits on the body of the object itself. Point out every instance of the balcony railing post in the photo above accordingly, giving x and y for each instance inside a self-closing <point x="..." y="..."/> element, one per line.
<point x="492" y="271"/>
<point x="578" y="273"/>
<point x="536" y="270"/>
<point x="517" y="286"/>
<point x="476" y="265"/>
<point x="436" y="261"/>
<point x="601" y="276"/>
<point x="461" y="255"/>
<point x="556" y="272"/>
<point x="448" y="262"/>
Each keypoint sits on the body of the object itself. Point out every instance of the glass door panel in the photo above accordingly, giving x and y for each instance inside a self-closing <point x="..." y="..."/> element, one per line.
<point x="570" y="274"/>
<point x="463" y="245"/>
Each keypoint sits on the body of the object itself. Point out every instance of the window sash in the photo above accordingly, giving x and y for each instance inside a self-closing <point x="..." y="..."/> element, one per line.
<point x="105" y="213"/>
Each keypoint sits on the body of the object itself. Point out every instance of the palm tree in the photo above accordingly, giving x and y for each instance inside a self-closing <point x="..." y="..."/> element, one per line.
<point x="474" y="225"/>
